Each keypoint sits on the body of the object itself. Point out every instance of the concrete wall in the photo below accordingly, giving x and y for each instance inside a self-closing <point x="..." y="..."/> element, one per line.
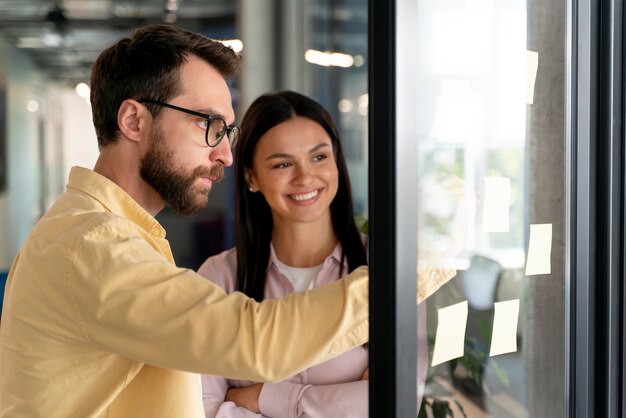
<point x="544" y="346"/>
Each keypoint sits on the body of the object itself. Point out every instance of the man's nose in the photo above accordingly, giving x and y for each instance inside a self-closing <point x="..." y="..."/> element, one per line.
<point x="222" y="153"/>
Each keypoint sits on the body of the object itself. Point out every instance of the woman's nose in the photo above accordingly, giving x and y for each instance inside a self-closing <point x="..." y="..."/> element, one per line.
<point x="304" y="174"/>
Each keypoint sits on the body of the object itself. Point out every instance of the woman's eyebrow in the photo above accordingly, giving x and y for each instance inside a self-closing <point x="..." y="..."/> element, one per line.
<point x="278" y="155"/>
<point x="318" y="147"/>
<point x="284" y="155"/>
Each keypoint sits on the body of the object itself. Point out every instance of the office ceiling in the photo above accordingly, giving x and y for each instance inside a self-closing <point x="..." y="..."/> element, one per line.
<point x="65" y="37"/>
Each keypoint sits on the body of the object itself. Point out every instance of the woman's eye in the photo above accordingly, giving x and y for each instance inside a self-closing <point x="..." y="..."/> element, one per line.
<point x="320" y="157"/>
<point x="281" y="165"/>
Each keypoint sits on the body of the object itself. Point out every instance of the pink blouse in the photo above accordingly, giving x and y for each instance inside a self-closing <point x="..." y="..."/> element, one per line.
<point x="330" y="389"/>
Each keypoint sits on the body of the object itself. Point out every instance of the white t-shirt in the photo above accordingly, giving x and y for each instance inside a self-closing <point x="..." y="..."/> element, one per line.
<point x="302" y="278"/>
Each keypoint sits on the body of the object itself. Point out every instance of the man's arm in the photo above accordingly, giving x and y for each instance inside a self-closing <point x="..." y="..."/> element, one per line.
<point x="159" y="314"/>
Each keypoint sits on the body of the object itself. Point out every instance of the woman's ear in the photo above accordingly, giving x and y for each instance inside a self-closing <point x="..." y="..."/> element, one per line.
<point x="250" y="180"/>
<point x="132" y="119"/>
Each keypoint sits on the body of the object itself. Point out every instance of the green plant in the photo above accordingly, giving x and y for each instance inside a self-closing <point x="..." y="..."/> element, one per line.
<point x="440" y="408"/>
<point x="473" y="363"/>
<point x="362" y="223"/>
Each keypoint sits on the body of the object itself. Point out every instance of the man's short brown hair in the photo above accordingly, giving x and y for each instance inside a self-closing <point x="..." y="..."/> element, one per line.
<point x="148" y="65"/>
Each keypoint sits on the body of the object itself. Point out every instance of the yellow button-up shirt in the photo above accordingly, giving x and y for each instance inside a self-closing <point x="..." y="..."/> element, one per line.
<point x="99" y="322"/>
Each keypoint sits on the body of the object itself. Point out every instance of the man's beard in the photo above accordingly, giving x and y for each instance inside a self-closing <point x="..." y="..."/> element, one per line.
<point x="174" y="186"/>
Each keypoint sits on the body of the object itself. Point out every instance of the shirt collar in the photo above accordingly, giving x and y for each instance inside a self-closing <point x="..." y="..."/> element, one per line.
<point x="113" y="198"/>
<point x="336" y="254"/>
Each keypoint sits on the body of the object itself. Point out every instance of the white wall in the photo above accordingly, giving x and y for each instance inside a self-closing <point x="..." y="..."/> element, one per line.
<point x="80" y="145"/>
<point x="66" y="138"/>
<point x="19" y="202"/>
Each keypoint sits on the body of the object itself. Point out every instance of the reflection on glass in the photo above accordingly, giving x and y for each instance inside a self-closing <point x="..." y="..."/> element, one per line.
<point x="477" y="97"/>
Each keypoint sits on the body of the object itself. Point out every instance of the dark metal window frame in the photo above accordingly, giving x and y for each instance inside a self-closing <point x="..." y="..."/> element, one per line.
<point x="595" y="242"/>
<point x="392" y="211"/>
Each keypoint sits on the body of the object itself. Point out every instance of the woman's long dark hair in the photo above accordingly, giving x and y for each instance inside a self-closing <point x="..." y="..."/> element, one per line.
<point x="254" y="217"/>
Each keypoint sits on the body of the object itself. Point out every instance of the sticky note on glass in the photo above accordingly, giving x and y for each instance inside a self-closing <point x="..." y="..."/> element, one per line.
<point x="539" y="249"/>
<point x="532" y="62"/>
<point x="496" y="204"/>
<point x="504" y="334"/>
<point x="450" y="337"/>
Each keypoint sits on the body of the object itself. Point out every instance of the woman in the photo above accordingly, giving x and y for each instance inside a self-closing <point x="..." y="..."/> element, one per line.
<point x="295" y="231"/>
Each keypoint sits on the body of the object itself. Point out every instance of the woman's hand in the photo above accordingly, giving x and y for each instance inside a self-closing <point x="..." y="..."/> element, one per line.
<point x="246" y="397"/>
<point x="366" y="374"/>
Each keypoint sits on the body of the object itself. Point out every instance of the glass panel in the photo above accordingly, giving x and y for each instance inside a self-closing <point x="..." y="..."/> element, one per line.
<point x="336" y="76"/>
<point x="491" y="204"/>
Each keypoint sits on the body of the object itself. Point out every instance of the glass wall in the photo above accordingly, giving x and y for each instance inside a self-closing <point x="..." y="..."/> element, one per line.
<point x="491" y="193"/>
<point x="490" y="130"/>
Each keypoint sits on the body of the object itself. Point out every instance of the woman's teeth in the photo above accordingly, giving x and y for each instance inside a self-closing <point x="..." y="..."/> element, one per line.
<point x="307" y="196"/>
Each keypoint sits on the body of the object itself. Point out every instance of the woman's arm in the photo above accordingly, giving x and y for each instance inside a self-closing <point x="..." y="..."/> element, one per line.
<point x="291" y="400"/>
<point x="214" y="391"/>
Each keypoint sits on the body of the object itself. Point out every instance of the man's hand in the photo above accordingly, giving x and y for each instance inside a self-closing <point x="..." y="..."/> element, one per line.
<point x="246" y="397"/>
<point x="429" y="280"/>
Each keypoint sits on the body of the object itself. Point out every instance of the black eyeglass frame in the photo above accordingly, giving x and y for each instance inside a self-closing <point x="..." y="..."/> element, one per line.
<point x="228" y="129"/>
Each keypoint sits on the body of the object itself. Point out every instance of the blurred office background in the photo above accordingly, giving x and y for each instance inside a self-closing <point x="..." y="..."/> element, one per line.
<point x="46" y="52"/>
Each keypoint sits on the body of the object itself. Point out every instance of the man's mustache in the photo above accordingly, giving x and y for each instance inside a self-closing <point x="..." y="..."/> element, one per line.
<point x="215" y="173"/>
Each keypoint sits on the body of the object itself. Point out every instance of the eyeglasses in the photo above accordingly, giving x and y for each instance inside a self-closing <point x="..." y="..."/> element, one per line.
<point x="216" y="127"/>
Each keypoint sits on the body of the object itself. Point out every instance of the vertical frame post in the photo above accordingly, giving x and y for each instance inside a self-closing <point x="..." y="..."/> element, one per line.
<point x="392" y="209"/>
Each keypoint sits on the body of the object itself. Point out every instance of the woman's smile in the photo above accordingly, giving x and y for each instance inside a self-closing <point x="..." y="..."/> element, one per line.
<point x="306" y="198"/>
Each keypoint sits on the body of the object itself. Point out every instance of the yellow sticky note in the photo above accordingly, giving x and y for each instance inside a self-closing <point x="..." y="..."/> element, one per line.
<point x="450" y="337"/>
<point x="504" y="334"/>
<point x="539" y="249"/>
<point x="496" y="204"/>
<point x="532" y="63"/>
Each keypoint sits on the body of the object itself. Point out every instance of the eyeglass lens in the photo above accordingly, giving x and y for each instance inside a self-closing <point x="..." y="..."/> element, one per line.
<point x="216" y="131"/>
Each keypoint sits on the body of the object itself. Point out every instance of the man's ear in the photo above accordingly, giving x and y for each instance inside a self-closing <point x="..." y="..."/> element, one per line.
<point x="132" y="119"/>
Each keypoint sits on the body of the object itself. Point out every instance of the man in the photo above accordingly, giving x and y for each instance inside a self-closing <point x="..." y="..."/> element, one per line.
<point x="98" y="320"/>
